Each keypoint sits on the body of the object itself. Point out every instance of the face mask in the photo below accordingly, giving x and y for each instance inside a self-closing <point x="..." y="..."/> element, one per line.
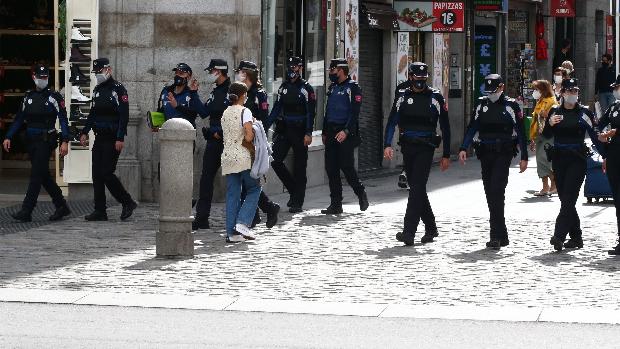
<point x="494" y="97"/>
<point x="292" y="74"/>
<point x="617" y="94"/>
<point x="570" y="99"/>
<point x="536" y="94"/>
<point x="419" y="84"/>
<point x="101" y="78"/>
<point x="333" y="78"/>
<point x="240" y="76"/>
<point x="179" y="81"/>
<point x="40" y="83"/>
<point x="557" y="79"/>
<point x="211" y="78"/>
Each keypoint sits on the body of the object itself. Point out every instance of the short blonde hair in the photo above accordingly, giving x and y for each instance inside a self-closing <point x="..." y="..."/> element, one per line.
<point x="568" y="65"/>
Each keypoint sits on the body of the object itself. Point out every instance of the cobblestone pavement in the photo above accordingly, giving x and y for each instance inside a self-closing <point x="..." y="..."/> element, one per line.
<point x="353" y="257"/>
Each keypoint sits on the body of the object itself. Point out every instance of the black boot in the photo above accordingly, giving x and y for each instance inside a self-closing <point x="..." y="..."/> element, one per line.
<point x="504" y="242"/>
<point x="494" y="244"/>
<point x="407" y="239"/>
<point x="22" y="215"/>
<point x="574" y="243"/>
<point x="272" y="215"/>
<point x="616" y="250"/>
<point x="256" y="220"/>
<point x="77" y="55"/>
<point x="333" y="209"/>
<point x="60" y="212"/>
<point x="363" y="199"/>
<point x="429" y="236"/>
<point x="557" y="243"/>
<point x="200" y="224"/>
<point x="77" y="78"/>
<point x="97" y="216"/>
<point x="128" y="210"/>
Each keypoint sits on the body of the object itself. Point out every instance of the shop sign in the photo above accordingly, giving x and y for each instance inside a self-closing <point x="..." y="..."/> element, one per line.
<point x="351" y="36"/>
<point x="610" y="34"/>
<point x="562" y="8"/>
<point x="488" y="5"/>
<point x="431" y="16"/>
<point x="402" y="54"/>
<point x="485" y="44"/>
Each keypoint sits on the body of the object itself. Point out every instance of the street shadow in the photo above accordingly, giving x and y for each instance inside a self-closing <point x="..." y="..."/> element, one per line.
<point x="155" y="263"/>
<point x="536" y="199"/>
<point x="553" y="258"/>
<point x="393" y="251"/>
<point x="611" y="264"/>
<point x="326" y="220"/>
<point x="483" y="254"/>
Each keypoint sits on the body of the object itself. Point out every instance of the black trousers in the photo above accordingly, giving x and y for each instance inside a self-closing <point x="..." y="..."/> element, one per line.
<point x="495" y="169"/>
<point x="570" y="171"/>
<point x="105" y="158"/>
<point x="417" y="161"/>
<point x="613" y="175"/>
<point x="340" y="157"/>
<point x="211" y="162"/>
<point x="295" y="183"/>
<point x="40" y="151"/>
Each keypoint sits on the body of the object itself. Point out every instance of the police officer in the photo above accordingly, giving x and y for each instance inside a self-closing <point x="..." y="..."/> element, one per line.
<point x="611" y="164"/>
<point x="108" y="117"/>
<point x="400" y="89"/>
<point x="294" y="110"/>
<point x="180" y="99"/>
<point x="211" y="161"/>
<point x="496" y="127"/>
<point x="568" y="124"/>
<point x="418" y="109"/>
<point x="39" y="110"/>
<point x="247" y="72"/>
<point x="341" y="135"/>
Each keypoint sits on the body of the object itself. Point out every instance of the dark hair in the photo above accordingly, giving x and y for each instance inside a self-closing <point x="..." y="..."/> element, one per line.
<point x="253" y="76"/>
<point x="561" y="70"/>
<point x="608" y="56"/>
<point x="544" y="87"/>
<point x="566" y="43"/>
<point x="345" y="69"/>
<point x="236" y="90"/>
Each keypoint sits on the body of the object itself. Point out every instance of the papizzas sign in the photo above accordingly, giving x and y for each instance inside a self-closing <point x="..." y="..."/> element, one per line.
<point x="430" y="16"/>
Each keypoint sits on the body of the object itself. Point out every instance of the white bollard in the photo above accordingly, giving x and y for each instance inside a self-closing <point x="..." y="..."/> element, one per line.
<point x="174" y="237"/>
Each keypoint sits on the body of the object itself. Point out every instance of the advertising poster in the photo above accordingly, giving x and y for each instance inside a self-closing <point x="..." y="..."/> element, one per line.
<point x="351" y="36"/>
<point x="430" y="16"/>
<point x="402" y="57"/>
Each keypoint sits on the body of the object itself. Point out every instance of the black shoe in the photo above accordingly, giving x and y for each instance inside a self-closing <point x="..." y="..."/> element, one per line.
<point x="504" y="242"/>
<point x="97" y="216"/>
<point x="272" y="215"/>
<point x="402" y="181"/>
<point x="60" y="212"/>
<point x="363" y="198"/>
<point x="332" y="209"/>
<point x="200" y="224"/>
<point x="256" y="221"/>
<point x="289" y="202"/>
<point x="615" y="251"/>
<point x="77" y="78"/>
<point x="573" y="243"/>
<point x="22" y="216"/>
<point x="557" y="243"/>
<point x="428" y="237"/>
<point x="128" y="210"/>
<point x="494" y="244"/>
<point x="295" y="209"/>
<point x="407" y="239"/>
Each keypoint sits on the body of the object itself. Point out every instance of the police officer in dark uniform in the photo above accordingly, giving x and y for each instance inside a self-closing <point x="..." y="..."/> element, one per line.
<point x="418" y="109"/>
<point x="568" y="124"/>
<point x="211" y="161"/>
<point x="341" y="135"/>
<point x="108" y="117"/>
<point x="39" y="110"/>
<point x="257" y="102"/>
<point x="611" y="164"/>
<point x="181" y="99"/>
<point x="496" y="128"/>
<point x="400" y="89"/>
<point x="295" y="109"/>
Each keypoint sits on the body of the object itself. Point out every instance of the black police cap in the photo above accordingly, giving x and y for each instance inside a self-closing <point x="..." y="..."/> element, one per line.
<point x="616" y="83"/>
<point x="247" y="65"/>
<point x="294" y="60"/>
<point x="41" y="71"/>
<point x="100" y="63"/>
<point x="183" y="67"/>
<point x="217" y="63"/>
<point x="418" y="69"/>
<point x="492" y="82"/>
<point x="570" y="84"/>
<point x="338" y="62"/>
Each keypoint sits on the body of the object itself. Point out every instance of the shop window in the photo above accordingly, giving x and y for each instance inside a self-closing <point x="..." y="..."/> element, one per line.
<point x="314" y="55"/>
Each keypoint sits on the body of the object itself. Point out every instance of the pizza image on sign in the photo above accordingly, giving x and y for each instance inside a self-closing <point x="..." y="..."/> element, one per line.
<point x="417" y="18"/>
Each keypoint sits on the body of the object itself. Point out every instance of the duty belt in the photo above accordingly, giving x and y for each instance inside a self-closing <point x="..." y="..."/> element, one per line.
<point x="335" y="128"/>
<point x="294" y="118"/>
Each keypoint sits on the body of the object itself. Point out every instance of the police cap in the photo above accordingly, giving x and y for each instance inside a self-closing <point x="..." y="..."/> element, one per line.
<point x="492" y="82"/>
<point x="217" y="63"/>
<point x="183" y="67"/>
<point x="247" y="65"/>
<point x="41" y="71"/>
<point x="570" y="84"/>
<point x="418" y="69"/>
<point x="294" y="60"/>
<point x="100" y="63"/>
<point x="338" y="62"/>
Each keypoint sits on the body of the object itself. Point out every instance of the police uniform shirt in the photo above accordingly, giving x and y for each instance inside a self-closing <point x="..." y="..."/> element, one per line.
<point x="296" y="101"/>
<point x="188" y="107"/>
<point x="257" y="102"/>
<point x="611" y="118"/>
<point x="573" y="127"/>
<point x="109" y="109"/>
<point x="343" y="105"/>
<point x="216" y="104"/>
<point x="39" y="109"/>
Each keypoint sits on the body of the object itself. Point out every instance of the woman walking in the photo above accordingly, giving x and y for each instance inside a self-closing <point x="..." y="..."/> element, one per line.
<point x="559" y="74"/>
<point x="545" y="100"/>
<point x="236" y="164"/>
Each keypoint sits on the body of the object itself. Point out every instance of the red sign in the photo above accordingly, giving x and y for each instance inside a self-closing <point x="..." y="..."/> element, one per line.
<point x="450" y="15"/>
<point x="562" y="8"/>
<point x="610" y="34"/>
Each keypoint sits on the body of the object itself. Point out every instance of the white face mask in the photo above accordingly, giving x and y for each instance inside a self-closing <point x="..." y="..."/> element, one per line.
<point x="557" y="79"/>
<point x="571" y="99"/>
<point x="40" y="83"/>
<point x="212" y="78"/>
<point x="494" y="97"/>
<point x="240" y="76"/>
<point x="101" y="78"/>
<point x="617" y="94"/>
<point x="536" y="94"/>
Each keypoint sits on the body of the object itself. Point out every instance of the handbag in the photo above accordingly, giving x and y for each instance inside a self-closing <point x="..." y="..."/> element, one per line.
<point x="247" y="145"/>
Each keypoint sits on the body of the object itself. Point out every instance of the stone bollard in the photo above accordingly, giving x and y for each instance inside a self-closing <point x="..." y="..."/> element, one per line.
<point x="175" y="238"/>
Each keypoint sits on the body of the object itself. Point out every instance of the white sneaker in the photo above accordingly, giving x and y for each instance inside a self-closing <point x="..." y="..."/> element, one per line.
<point x="78" y="37"/>
<point x="76" y="95"/>
<point x="235" y="238"/>
<point x="245" y="231"/>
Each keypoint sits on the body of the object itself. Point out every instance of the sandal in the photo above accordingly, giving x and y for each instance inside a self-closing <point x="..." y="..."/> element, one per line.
<point x="541" y="193"/>
<point x="552" y="192"/>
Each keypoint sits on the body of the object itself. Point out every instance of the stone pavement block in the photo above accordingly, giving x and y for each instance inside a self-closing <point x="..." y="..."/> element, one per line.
<point x="306" y="307"/>
<point x="462" y="312"/>
<point x="580" y="315"/>
<point x="202" y="302"/>
<point x="40" y="296"/>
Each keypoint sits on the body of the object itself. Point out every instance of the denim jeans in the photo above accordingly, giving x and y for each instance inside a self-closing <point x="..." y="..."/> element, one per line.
<point x="606" y="99"/>
<point x="236" y="212"/>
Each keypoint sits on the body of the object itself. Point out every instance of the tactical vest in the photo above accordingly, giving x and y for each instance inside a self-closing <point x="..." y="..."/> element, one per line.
<point x="218" y="103"/>
<point x="106" y="104"/>
<point x="416" y="113"/>
<point x="494" y="122"/>
<point x="39" y="110"/>
<point x="339" y="104"/>
<point x="568" y="131"/>
<point x="293" y="100"/>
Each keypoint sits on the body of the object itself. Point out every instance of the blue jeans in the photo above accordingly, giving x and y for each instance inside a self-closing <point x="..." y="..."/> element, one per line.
<point x="235" y="211"/>
<point x="606" y="99"/>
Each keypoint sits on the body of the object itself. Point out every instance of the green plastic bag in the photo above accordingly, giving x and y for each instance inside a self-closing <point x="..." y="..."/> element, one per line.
<point x="155" y="119"/>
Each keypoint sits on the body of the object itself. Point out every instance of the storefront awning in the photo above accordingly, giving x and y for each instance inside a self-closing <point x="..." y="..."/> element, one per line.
<point x="378" y="16"/>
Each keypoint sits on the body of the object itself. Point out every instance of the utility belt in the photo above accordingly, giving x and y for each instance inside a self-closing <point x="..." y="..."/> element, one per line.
<point x="420" y="137"/>
<point x="105" y="132"/>
<point x="50" y="136"/>
<point x="496" y="146"/>
<point x="209" y="132"/>
<point x="335" y="128"/>
<point x="561" y="149"/>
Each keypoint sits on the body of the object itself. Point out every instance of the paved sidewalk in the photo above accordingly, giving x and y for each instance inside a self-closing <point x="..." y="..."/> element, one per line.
<point x="350" y="258"/>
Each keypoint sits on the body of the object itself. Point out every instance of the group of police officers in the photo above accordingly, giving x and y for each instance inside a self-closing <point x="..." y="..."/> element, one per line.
<point x="495" y="130"/>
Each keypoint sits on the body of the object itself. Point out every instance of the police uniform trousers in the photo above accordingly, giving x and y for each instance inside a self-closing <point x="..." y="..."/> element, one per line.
<point x="340" y="157"/>
<point x="40" y="150"/>
<point x="570" y="171"/>
<point x="417" y="161"/>
<point x="105" y="158"/>
<point x="211" y="162"/>
<point x="613" y="175"/>
<point x="495" y="169"/>
<point x="292" y="136"/>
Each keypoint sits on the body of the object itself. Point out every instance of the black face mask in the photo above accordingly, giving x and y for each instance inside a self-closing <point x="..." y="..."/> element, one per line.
<point x="179" y="81"/>
<point x="419" y="84"/>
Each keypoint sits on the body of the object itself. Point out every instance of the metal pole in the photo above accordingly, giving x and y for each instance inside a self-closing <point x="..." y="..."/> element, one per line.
<point x="269" y="42"/>
<point x="616" y="19"/>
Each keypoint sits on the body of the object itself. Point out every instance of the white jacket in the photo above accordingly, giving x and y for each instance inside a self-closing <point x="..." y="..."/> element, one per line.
<point x="262" y="156"/>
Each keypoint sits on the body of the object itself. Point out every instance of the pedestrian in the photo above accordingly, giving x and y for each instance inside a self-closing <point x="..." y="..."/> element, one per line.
<point x="418" y="109"/>
<point x="211" y="160"/>
<point x="605" y="77"/>
<point x="256" y="101"/>
<point x="341" y="135"/>
<point x="181" y="99"/>
<point x="570" y="70"/>
<point x="559" y="74"/>
<point x="496" y="130"/>
<point x="108" y="117"/>
<point x="39" y="110"/>
<point x="563" y="54"/>
<point x="568" y="124"/>
<point x="236" y="165"/>
<point x="611" y="164"/>
<point x="545" y="100"/>
<point x="294" y="109"/>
